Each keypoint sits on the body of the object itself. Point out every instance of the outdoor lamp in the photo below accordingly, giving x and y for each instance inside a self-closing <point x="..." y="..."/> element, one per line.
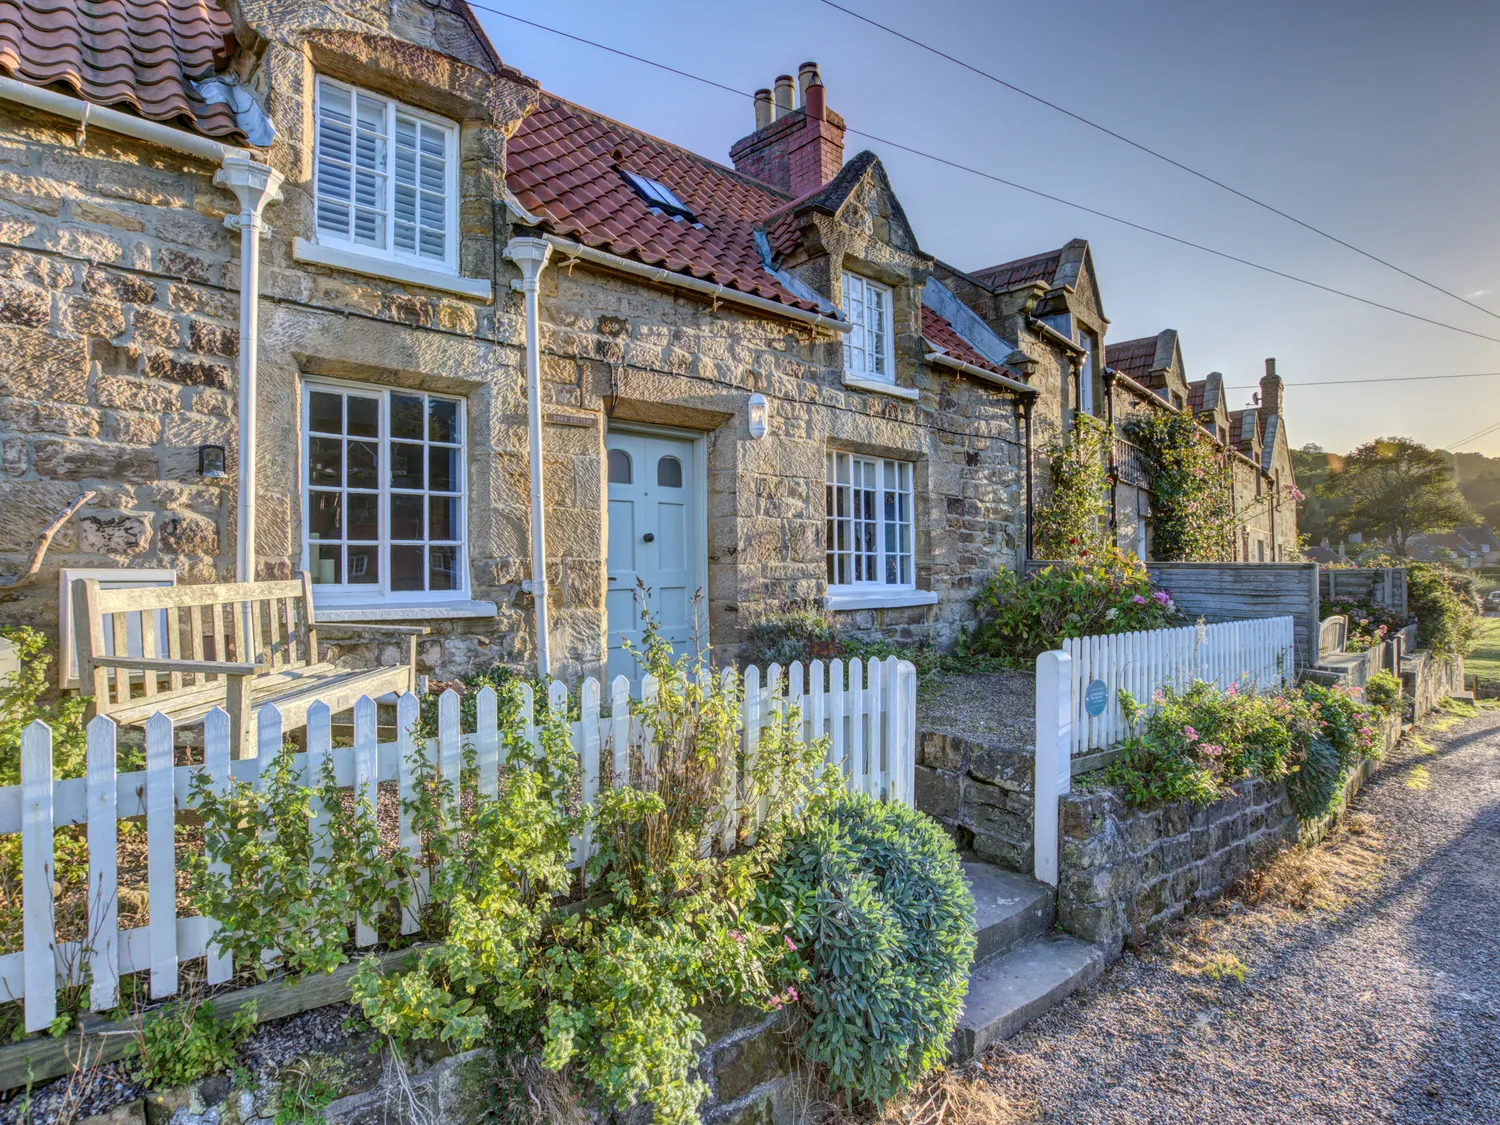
<point x="757" y="416"/>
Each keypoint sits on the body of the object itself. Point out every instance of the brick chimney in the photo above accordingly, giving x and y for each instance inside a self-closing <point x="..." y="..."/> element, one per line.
<point x="1270" y="390"/>
<point x="800" y="148"/>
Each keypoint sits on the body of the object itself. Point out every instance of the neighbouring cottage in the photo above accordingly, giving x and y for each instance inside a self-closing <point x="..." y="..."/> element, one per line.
<point x="747" y="381"/>
<point x="1050" y="305"/>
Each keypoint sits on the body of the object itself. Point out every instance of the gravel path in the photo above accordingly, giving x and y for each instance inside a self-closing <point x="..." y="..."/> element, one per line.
<point x="998" y="708"/>
<point x="1386" y="1009"/>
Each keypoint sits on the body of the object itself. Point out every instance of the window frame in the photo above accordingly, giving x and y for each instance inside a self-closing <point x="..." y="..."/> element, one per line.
<point x="882" y="553"/>
<point x="887" y="297"/>
<point x="448" y="264"/>
<point x="345" y="594"/>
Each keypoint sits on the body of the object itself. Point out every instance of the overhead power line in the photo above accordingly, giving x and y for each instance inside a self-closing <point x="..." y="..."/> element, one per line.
<point x="1189" y="169"/>
<point x="1001" y="180"/>
<point x="1475" y="436"/>
<point x="1353" y="382"/>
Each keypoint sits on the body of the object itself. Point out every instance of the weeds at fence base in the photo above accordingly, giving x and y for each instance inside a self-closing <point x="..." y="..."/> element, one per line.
<point x="1321" y="879"/>
<point x="947" y="1097"/>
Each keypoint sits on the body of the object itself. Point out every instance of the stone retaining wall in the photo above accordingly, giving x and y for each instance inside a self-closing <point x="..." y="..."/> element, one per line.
<point x="982" y="794"/>
<point x="1125" y="873"/>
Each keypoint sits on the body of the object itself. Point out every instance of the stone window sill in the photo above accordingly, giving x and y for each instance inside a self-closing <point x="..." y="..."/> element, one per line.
<point x="400" y="611"/>
<point x="837" y="600"/>
<point x="392" y="270"/>
<point x="877" y="386"/>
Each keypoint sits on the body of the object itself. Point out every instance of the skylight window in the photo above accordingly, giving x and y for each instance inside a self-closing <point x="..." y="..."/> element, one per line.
<point x="658" y="195"/>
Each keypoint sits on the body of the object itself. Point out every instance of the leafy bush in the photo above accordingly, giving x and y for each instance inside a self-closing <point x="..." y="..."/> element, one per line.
<point x="1068" y="525"/>
<point x="789" y="631"/>
<point x="182" y="1042"/>
<point x="872" y="899"/>
<point x="21" y="705"/>
<point x="1020" y="617"/>
<point x="1194" y="744"/>
<point x="1192" y="507"/>
<point x="1369" y="621"/>
<point x="1383" y="692"/>
<point x="1445" y="608"/>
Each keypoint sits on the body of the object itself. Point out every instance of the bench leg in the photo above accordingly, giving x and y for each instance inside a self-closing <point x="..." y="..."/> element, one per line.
<point x="237" y="702"/>
<point x="411" y="664"/>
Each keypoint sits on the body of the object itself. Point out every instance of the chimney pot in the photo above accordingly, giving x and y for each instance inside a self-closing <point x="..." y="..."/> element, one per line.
<point x="765" y="111"/>
<point x="784" y="88"/>
<point x="807" y="75"/>
<point x="814" y="102"/>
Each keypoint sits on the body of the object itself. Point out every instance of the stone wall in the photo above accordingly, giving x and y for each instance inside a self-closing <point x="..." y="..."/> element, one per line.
<point x="981" y="793"/>
<point x="1125" y="873"/>
<point x="1427" y="680"/>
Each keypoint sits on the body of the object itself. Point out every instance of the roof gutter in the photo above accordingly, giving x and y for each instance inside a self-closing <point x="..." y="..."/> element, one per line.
<point x="1041" y="328"/>
<point x="254" y="184"/>
<point x="980" y="373"/>
<point x="709" y="289"/>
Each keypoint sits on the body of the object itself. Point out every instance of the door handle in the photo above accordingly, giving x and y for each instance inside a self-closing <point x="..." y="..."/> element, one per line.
<point x="649" y="537"/>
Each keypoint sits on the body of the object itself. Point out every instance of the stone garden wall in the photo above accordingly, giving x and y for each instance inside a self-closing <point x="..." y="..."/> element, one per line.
<point x="981" y="793"/>
<point x="1125" y="872"/>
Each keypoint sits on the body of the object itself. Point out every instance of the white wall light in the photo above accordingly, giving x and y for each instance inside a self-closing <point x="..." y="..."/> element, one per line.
<point x="757" y="416"/>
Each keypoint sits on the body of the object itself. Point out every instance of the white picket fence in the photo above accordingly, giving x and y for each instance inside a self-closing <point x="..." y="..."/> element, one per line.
<point x="1257" y="655"/>
<point x="868" y="713"/>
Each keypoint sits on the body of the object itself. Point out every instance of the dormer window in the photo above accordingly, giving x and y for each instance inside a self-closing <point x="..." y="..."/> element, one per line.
<point x="658" y="195"/>
<point x="386" y="178"/>
<point x="869" y="349"/>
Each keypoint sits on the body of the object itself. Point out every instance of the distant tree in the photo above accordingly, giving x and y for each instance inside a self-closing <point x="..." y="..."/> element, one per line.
<point x="1398" y="488"/>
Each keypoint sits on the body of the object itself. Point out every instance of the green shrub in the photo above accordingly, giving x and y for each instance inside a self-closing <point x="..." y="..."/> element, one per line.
<point x="1314" y="785"/>
<point x="1445" y="609"/>
<point x="790" y="631"/>
<point x="182" y="1042"/>
<point x="1020" y="617"/>
<point x="1193" y="518"/>
<point x="1369" y="621"/>
<point x="1383" y="692"/>
<point x="1068" y="525"/>
<point x="21" y="704"/>
<point x="873" y="899"/>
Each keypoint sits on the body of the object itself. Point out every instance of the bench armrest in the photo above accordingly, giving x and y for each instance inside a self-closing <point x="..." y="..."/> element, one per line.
<point x="149" y="664"/>
<point x="374" y="627"/>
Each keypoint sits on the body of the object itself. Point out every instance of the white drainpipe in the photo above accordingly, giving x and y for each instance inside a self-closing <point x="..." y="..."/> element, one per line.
<point x="254" y="184"/>
<point x="530" y="256"/>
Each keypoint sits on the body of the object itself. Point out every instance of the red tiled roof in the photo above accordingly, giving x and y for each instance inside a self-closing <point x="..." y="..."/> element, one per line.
<point x="563" y="165"/>
<point x="1197" y="392"/>
<point x="1134" y="358"/>
<point x="1038" y="267"/>
<point x="133" y="53"/>
<point x="940" y="334"/>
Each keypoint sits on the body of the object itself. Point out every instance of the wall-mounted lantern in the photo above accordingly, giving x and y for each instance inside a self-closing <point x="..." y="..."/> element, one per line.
<point x="757" y="416"/>
<point x="211" y="461"/>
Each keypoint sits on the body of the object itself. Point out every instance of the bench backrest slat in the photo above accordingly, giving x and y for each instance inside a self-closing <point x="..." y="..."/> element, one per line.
<point x="162" y="597"/>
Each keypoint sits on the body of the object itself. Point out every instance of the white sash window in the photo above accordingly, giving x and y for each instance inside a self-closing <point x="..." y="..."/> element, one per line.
<point x="869" y="351"/>
<point x="387" y="178"/>
<point x="869" y="524"/>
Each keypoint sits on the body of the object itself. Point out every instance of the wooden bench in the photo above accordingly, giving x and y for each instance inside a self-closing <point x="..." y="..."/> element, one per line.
<point x="241" y="646"/>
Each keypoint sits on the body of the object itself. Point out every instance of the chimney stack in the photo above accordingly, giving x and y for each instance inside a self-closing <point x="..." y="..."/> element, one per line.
<point x="797" y="148"/>
<point x="784" y="88"/>
<point x="1271" y="387"/>
<point x="765" y="111"/>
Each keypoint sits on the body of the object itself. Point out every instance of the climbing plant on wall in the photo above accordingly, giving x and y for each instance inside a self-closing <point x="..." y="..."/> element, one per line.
<point x="1192" y="489"/>
<point x="1068" y="526"/>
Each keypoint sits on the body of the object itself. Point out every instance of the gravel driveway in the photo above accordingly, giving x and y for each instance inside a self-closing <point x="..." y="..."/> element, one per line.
<point x="1385" y="1008"/>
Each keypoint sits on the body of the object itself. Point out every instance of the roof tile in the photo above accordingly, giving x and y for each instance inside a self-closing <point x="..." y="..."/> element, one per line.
<point x="940" y="334"/>
<point x="138" y="54"/>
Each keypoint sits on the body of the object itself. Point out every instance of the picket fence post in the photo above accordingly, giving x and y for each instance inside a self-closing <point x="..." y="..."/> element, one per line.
<point x="36" y="876"/>
<point x="1054" y="760"/>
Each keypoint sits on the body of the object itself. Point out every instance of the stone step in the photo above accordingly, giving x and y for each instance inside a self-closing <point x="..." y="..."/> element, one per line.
<point x="1009" y="992"/>
<point x="1010" y="909"/>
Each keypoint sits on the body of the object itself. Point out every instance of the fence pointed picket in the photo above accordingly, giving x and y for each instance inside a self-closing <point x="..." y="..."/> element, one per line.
<point x="365" y="775"/>
<point x="856" y="703"/>
<point x="837" y="712"/>
<point x="649" y="689"/>
<point x="875" y="748"/>
<point x="588" y="711"/>
<point x="619" y="731"/>
<point x="729" y="828"/>
<point x="216" y="765"/>
<point x="774" y="703"/>
<point x="794" y="694"/>
<point x="557" y="698"/>
<point x="908" y="777"/>
<point x="817" y="692"/>
<point x="408" y="709"/>
<point x="487" y="740"/>
<point x="528" y="716"/>
<point x="752" y="705"/>
<point x="450" y="755"/>
<point x="103" y="904"/>
<point x="319" y="747"/>
<point x="161" y="851"/>
<point x="36" y="876"/>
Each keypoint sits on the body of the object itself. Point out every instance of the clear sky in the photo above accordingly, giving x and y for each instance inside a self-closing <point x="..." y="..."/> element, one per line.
<point x="1373" y="119"/>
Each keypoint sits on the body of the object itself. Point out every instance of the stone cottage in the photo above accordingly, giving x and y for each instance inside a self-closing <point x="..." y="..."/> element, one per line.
<point x="333" y="288"/>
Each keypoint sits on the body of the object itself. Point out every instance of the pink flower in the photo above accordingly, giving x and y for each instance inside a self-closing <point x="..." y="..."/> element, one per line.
<point x="1190" y="734"/>
<point x="1212" y="749"/>
<point x="1161" y="597"/>
<point x="1232" y="689"/>
<point x="1139" y="600"/>
<point x="790" y="944"/>
<point x="791" y="994"/>
<point x="739" y="937"/>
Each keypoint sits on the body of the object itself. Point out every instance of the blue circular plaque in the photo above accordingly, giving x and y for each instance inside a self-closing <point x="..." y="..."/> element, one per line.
<point x="1095" y="696"/>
